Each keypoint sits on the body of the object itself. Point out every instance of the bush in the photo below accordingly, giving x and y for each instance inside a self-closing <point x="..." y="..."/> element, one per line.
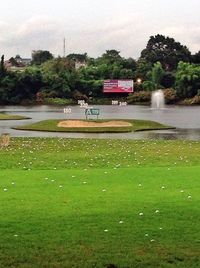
<point x="77" y="95"/>
<point x="170" y="96"/>
<point x="141" y="96"/>
<point x="148" y="86"/>
<point x="192" y="101"/>
<point x="58" y="101"/>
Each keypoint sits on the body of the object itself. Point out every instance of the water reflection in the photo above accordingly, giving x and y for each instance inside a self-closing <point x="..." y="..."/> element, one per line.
<point x="185" y="119"/>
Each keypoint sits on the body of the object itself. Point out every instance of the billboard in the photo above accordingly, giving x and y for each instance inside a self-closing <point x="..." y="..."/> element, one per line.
<point x="118" y="86"/>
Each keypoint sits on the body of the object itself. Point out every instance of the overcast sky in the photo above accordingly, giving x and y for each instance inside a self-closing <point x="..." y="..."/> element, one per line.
<point x="94" y="26"/>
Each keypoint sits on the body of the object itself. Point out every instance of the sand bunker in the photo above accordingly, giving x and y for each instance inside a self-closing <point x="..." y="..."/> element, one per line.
<point x="79" y="123"/>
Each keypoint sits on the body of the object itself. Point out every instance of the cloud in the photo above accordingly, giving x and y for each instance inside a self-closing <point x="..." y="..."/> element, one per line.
<point x="188" y="36"/>
<point x="3" y="30"/>
<point x="128" y="33"/>
<point x="124" y="33"/>
<point x="39" y="32"/>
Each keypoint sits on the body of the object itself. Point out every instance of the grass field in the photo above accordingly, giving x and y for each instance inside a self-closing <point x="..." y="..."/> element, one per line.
<point x="137" y="125"/>
<point x="99" y="203"/>
<point x="12" y="117"/>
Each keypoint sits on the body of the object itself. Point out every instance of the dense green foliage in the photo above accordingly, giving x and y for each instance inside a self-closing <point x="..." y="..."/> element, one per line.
<point x="188" y="80"/>
<point x="78" y="76"/>
<point x="165" y="50"/>
<point x="41" y="56"/>
<point x="99" y="203"/>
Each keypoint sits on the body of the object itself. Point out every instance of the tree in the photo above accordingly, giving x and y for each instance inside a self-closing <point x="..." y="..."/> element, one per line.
<point x="2" y="67"/>
<point x="78" y="57"/>
<point x="168" y="80"/>
<point x="196" y="58"/>
<point x="58" y="66"/>
<point x="58" y="75"/>
<point x="143" y="69"/>
<point x="187" y="80"/>
<point x="41" y="56"/>
<point x="165" y="50"/>
<point x="110" y="57"/>
<point x="129" y="63"/>
<point x="157" y="74"/>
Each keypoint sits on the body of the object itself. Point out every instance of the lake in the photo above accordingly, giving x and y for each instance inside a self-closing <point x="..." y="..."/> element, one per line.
<point x="186" y="119"/>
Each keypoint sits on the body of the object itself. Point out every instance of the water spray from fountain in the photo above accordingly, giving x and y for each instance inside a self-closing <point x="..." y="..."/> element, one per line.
<point x="157" y="99"/>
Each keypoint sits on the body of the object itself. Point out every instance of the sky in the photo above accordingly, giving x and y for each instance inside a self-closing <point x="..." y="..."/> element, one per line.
<point x="94" y="26"/>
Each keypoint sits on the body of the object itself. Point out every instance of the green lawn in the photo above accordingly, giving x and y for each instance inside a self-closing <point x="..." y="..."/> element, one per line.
<point x="137" y="125"/>
<point x="12" y="117"/>
<point x="99" y="203"/>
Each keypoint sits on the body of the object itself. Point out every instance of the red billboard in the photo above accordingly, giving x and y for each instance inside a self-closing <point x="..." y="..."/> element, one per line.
<point x="118" y="86"/>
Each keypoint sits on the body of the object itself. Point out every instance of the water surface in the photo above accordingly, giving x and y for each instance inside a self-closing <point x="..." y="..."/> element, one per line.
<point x="184" y="118"/>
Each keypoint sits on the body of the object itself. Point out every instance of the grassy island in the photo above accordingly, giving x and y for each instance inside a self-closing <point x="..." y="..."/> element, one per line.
<point x="99" y="203"/>
<point x="12" y="117"/>
<point x="129" y="126"/>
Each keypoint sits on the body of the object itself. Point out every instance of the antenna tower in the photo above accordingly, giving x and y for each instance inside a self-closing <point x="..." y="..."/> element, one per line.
<point x="64" y="47"/>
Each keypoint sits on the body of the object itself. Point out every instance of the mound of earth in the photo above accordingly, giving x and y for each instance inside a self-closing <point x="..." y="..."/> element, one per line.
<point x="79" y="123"/>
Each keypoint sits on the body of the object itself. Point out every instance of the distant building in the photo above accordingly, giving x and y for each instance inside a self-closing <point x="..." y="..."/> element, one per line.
<point x="80" y="60"/>
<point x="24" y="61"/>
<point x="80" y="64"/>
<point x="17" y="63"/>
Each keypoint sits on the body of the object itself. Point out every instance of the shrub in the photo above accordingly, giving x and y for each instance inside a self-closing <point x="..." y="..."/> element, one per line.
<point x="191" y="101"/>
<point x="170" y="95"/>
<point x="77" y="95"/>
<point x="58" y="101"/>
<point x="148" y="86"/>
<point x="141" y="96"/>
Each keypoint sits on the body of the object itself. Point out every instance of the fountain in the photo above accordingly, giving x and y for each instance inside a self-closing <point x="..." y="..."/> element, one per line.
<point x="157" y="99"/>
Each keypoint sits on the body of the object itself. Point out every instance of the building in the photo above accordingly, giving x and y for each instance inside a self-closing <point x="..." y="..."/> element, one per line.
<point x="17" y="63"/>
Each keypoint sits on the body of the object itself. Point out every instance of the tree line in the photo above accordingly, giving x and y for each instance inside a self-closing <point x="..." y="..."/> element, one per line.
<point x="164" y="64"/>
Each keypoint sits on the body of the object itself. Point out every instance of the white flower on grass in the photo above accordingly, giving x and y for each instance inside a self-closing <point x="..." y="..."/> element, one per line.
<point x="146" y="234"/>
<point x="120" y="222"/>
<point x="152" y="240"/>
<point x="141" y="214"/>
<point x="52" y="180"/>
<point x="182" y="191"/>
<point x="157" y="211"/>
<point x="160" y="228"/>
<point x="104" y="190"/>
<point x="106" y="230"/>
<point x="85" y="182"/>
<point x="13" y="183"/>
<point x="5" y="189"/>
<point x="46" y="178"/>
<point x="189" y="196"/>
<point x="163" y="187"/>
<point x="140" y="185"/>
<point x="60" y="186"/>
<point x="15" y="235"/>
